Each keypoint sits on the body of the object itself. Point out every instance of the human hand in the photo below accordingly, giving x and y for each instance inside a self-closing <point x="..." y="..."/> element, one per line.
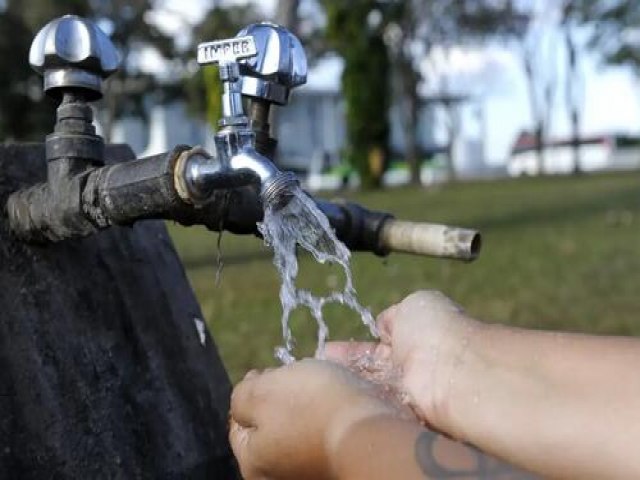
<point x="423" y="338"/>
<point x="287" y="423"/>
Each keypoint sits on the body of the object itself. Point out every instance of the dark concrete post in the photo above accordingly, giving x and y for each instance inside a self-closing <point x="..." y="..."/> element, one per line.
<point x="104" y="372"/>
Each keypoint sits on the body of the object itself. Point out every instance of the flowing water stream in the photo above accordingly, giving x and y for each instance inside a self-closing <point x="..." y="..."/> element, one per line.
<point x="302" y="223"/>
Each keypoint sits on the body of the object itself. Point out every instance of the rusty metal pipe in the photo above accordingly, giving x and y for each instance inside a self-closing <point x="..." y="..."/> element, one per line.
<point x="430" y="239"/>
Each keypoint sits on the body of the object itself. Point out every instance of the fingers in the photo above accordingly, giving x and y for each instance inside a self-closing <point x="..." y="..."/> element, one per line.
<point x="240" y="440"/>
<point x="431" y="300"/>
<point x="418" y="305"/>
<point x="385" y="322"/>
<point x="252" y="393"/>
<point x="346" y="353"/>
<point x="243" y="399"/>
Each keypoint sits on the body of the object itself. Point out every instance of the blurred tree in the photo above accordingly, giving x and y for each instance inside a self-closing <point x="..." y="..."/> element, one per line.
<point x="219" y="23"/>
<point x="611" y="27"/>
<point x="355" y="30"/>
<point x="529" y="25"/>
<point x="572" y="18"/>
<point x="617" y="29"/>
<point x="287" y="14"/>
<point x="612" y="30"/>
<point x="19" y="89"/>
<point x="128" y="25"/>
<point x="36" y="13"/>
<point x="415" y="30"/>
<point x="401" y="32"/>
<point x="539" y="59"/>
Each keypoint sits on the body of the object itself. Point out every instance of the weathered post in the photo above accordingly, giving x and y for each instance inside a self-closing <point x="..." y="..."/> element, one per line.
<point x="106" y="367"/>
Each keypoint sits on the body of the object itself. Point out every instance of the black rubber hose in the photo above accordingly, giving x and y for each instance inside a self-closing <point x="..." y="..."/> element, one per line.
<point x="358" y="227"/>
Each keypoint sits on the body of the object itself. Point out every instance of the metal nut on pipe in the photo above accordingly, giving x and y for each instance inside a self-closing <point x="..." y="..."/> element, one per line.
<point x="431" y="239"/>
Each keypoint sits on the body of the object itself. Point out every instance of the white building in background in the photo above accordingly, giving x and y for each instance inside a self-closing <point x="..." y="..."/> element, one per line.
<point x="311" y="130"/>
<point x="168" y="125"/>
<point x="597" y="153"/>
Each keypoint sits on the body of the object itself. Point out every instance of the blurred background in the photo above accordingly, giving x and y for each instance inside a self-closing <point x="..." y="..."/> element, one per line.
<point x="517" y="117"/>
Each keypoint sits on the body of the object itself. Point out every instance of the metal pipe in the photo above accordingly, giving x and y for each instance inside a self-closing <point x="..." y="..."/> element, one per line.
<point x="365" y="230"/>
<point x="231" y="96"/>
<point x="258" y="112"/>
<point x="147" y="188"/>
<point x="431" y="239"/>
<point x="140" y="189"/>
<point x="197" y="175"/>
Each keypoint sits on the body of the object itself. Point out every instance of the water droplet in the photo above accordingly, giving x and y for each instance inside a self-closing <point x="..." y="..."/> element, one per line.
<point x="285" y="357"/>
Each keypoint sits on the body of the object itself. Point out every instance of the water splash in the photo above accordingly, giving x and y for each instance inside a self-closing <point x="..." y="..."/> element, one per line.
<point x="302" y="223"/>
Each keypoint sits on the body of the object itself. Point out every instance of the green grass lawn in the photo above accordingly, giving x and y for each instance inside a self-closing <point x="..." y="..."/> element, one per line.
<point x="558" y="253"/>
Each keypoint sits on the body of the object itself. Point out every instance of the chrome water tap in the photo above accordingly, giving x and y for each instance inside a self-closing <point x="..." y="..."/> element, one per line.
<point x="82" y="195"/>
<point x="236" y="156"/>
<point x="74" y="56"/>
<point x="268" y="78"/>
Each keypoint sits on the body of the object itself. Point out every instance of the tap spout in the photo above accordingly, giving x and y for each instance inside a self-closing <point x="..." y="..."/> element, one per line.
<point x="199" y="175"/>
<point x="276" y="186"/>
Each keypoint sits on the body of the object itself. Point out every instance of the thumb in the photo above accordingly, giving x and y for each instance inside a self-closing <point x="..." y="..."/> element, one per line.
<point x="385" y="323"/>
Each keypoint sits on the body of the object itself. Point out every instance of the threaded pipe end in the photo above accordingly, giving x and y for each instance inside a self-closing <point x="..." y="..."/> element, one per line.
<point x="278" y="191"/>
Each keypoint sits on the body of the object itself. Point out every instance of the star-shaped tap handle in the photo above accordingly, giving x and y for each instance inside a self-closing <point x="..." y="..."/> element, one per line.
<point x="73" y="54"/>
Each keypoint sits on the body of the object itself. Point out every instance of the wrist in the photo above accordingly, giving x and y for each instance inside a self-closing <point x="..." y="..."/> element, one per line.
<point x="481" y="383"/>
<point x="436" y="372"/>
<point x="377" y="447"/>
<point x="342" y="428"/>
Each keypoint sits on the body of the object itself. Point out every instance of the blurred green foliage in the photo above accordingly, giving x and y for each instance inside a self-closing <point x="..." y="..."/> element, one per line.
<point x="617" y="23"/>
<point x="128" y="89"/>
<point x="357" y="35"/>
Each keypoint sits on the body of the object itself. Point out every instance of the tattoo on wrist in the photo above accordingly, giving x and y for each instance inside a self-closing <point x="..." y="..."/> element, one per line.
<point x="483" y="466"/>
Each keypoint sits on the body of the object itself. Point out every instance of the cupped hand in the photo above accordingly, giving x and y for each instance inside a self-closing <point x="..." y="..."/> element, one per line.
<point x="422" y="343"/>
<point x="286" y="423"/>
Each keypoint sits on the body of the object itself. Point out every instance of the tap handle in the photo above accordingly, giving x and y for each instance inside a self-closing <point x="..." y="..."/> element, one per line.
<point x="71" y="52"/>
<point x="228" y="51"/>
<point x="226" y="54"/>
<point x="279" y="66"/>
